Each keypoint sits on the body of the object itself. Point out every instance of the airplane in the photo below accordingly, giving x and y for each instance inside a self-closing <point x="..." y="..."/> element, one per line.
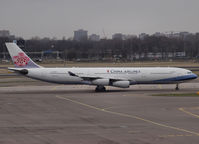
<point x="100" y="77"/>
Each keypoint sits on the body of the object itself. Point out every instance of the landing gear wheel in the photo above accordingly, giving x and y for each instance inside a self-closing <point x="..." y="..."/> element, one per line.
<point x="100" y="89"/>
<point x="177" y="87"/>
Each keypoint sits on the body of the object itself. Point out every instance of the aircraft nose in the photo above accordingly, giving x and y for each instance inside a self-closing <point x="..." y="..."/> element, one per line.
<point x="194" y="76"/>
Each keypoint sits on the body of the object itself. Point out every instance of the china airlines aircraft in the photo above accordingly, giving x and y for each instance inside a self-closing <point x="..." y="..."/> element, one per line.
<point x="121" y="77"/>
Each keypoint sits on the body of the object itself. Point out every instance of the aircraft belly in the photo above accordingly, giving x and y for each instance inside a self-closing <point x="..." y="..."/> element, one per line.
<point x="59" y="78"/>
<point x="55" y="78"/>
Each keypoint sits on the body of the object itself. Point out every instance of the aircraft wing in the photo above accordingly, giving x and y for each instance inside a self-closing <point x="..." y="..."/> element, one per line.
<point x="94" y="77"/>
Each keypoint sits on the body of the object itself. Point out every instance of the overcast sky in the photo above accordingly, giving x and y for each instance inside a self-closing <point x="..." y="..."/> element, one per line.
<point x="58" y="18"/>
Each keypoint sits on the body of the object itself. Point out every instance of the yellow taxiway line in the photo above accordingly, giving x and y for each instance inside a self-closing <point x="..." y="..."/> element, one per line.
<point x="54" y="88"/>
<point x="178" y="135"/>
<point x="189" y="113"/>
<point x="129" y="116"/>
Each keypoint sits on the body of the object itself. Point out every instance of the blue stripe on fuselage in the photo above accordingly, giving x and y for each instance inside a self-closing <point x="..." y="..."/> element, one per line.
<point x="179" y="78"/>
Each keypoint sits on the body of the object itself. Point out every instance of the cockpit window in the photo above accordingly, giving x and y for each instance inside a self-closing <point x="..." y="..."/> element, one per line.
<point x="189" y="72"/>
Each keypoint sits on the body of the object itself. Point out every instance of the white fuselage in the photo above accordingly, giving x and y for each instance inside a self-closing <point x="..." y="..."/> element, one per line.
<point x="136" y="75"/>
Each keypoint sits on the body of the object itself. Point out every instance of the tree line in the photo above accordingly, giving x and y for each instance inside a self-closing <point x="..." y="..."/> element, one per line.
<point x="107" y="49"/>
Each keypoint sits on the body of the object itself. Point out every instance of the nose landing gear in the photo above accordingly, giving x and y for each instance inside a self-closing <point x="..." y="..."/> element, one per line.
<point x="100" y="89"/>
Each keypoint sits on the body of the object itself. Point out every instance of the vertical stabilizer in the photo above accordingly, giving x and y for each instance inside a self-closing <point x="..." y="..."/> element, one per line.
<point x="19" y="58"/>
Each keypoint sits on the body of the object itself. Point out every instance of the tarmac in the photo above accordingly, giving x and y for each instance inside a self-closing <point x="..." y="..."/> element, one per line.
<point x="33" y="112"/>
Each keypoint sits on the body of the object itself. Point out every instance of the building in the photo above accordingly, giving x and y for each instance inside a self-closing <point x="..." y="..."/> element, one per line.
<point x="142" y="36"/>
<point x="118" y="36"/>
<point x="94" y="37"/>
<point x="184" y="34"/>
<point x="158" y="34"/>
<point x="173" y="34"/>
<point x="4" y="33"/>
<point x="127" y="37"/>
<point x="80" y="35"/>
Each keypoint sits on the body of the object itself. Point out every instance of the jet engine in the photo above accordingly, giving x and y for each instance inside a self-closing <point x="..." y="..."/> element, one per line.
<point x="102" y="82"/>
<point x="121" y="84"/>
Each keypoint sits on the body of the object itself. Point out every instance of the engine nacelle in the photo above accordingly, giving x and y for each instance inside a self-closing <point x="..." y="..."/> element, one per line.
<point x="121" y="84"/>
<point x="101" y="82"/>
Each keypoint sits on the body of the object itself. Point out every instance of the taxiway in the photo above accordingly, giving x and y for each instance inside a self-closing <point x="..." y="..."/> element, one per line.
<point x="42" y="113"/>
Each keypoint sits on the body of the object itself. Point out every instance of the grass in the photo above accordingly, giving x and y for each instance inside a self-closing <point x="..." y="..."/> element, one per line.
<point x="18" y="81"/>
<point x="4" y="71"/>
<point x="196" y="72"/>
<point x="178" y="95"/>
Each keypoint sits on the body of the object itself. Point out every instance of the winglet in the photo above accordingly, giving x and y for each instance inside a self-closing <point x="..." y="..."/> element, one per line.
<point x="19" y="58"/>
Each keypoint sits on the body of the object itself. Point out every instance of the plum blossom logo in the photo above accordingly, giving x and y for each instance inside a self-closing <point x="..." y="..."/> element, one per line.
<point x="21" y="59"/>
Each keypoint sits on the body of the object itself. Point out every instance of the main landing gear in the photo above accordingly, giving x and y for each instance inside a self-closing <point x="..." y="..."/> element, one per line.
<point x="100" y="89"/>
<point x="177" y="87"/>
